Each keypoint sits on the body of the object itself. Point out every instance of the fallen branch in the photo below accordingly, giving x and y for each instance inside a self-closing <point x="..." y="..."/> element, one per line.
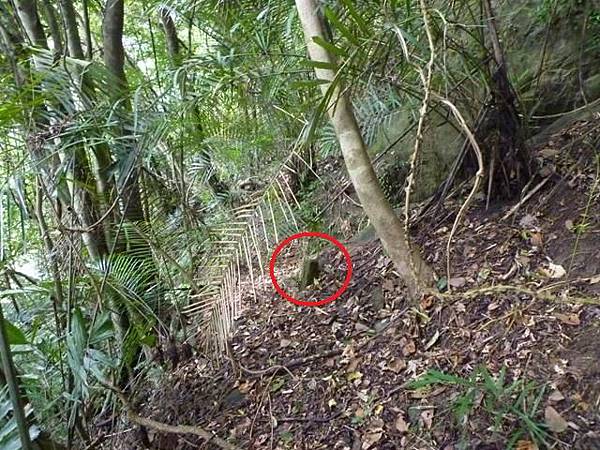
<point x="539" y="293"/>
<point x="166" y="428"/>
<point x="315" y="419"/>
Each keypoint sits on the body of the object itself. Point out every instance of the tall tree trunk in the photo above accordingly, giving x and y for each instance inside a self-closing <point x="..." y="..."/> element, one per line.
<point x="9" y="42"/>
<point x="28" y="14"/>
<point x="54" y="28"/>
<point x="133" y="211"/>
<point x="173" y="47"/>
<point x="387" y="225"/>
<point x="71" y="29"/>
<point x="101" y="150"/>
<point x="84" y="202"/>
<point x="114" y="59"/>
<point x="88" y="31"/>
<point x="114" y="53"/>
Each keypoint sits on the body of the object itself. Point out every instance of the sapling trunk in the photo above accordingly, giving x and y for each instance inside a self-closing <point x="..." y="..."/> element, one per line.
<point x="387" y="225"/>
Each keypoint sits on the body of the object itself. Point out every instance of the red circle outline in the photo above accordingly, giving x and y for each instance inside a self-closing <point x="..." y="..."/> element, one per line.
<point x="327" y="237"/>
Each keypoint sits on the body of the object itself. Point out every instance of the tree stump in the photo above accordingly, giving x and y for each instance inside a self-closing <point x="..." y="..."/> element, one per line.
<point x="310" y="271"/>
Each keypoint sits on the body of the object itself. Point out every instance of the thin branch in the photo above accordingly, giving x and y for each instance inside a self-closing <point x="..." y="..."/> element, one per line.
<point x="166" y="428"/>
<point x="426" y="80"/>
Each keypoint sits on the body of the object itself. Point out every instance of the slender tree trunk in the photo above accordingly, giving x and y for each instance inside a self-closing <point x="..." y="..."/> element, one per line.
<point x="114" y="59"/>
<point x="133" y="211"/>
<point x="101" y="150"/>
<point x="173" y="47"/>
<point x="84" y="202"/>
<point x="218" y="186"/>
<point x="507" y="155"/>
<point x="49" y="247"/>
<point x="71" y="29"/>
<point x="387" y="225"/>
<point x="54" y="28"/>
<point x="88" y="31"/>
<point x="9" y="42"/>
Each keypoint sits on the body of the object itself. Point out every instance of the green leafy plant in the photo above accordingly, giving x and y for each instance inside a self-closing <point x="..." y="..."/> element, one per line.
<point x="9" y="437"/>
<point x="508" y="405"/>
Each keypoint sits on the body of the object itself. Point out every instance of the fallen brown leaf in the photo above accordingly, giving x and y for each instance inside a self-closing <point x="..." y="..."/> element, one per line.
<point x="397" y="365"/>
<point x="536" y="239"/>
<point x="369" y="439"/>
<point x="427" y="418"/>
<point x="457" y="282"/>
<point x="569" y="319"/>
<point x="554" y="420"/>
<point x="526" y="445"/>
<point x="554" y="271"/>
<point x="401" y="424"/>
<point x="359" y="413"/>
<point x="409" y="348"/>
<point x="427" y="301"/>
<point x="556" y="396"/>
<point x="353" y="365"/>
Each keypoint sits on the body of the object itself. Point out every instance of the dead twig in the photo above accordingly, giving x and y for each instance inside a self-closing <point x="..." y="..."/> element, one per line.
<point x="524" y="199"/>
<point x="262" y="399"/>
<point x="315" y="419"/>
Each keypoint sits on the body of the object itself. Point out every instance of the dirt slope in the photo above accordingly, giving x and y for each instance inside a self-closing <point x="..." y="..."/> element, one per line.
<point x="524" y="305"/>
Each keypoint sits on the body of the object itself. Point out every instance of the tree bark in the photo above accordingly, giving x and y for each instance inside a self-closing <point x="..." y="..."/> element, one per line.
<point x="28" y="14"/>
<point x="71" y="29"/>
<point x="114" y="59"/>
<point x="387" y="225"/>
<point x="507" y="154"/>
<point x="173" y="47"/>
<point x="84" y="203"/>
<point x="114" y="53"/>
<point x="9" y="42"/>
<point x="101" y="150"/>
<point x="88" y="31"/>
<point x="50" y="14"/>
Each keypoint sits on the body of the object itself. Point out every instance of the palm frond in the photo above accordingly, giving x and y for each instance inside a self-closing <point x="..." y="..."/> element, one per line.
<point x="241" y="245"/>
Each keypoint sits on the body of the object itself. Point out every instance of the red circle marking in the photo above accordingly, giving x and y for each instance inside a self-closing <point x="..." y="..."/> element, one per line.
<point x="327" y="237"/>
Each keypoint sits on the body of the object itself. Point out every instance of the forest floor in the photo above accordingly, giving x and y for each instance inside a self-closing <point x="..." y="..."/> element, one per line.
<point x="515" y="346"/>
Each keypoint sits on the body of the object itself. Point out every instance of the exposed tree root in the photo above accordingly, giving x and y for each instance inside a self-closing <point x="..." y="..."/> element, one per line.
<point x="534" y="293"/>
